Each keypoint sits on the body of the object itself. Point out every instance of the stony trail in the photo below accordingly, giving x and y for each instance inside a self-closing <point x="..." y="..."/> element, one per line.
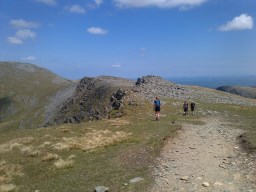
<point x="205" y="158"/>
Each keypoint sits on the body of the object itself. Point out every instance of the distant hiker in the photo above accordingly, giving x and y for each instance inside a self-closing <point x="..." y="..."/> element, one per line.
<point x="185" y="107"/>
<point x="157" y="104"/>
<point x="192" y="107"/>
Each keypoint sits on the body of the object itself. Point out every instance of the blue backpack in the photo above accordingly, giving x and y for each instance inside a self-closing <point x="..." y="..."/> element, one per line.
<point x="157" y="103"/>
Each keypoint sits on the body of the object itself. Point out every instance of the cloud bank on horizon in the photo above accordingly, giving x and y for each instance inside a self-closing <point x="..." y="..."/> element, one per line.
<point x="176" y="36"/>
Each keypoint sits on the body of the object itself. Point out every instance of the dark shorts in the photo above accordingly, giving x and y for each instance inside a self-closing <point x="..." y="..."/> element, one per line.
<point x="157" y="108"/>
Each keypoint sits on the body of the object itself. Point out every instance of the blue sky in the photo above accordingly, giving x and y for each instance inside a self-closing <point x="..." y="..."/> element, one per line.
<point x="131" y="38"/>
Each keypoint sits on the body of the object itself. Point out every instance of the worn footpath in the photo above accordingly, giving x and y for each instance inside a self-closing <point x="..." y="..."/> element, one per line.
<point x="205" y="158"/>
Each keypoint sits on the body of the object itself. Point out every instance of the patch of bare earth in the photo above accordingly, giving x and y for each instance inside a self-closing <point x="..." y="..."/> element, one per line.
<point x="205" y="158"/>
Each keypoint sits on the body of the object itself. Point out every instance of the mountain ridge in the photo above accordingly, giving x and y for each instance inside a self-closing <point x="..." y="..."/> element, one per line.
<point x="32" y="96"/>
<point x="249" y="92"/>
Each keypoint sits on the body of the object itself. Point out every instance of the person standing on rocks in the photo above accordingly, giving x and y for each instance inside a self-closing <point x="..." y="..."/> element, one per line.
<point x="185" y="107"/>
<point x="192" y="107"/>
<point x="157" y="105"/>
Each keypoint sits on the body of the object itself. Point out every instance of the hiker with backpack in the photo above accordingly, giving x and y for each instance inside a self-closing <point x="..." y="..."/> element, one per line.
<point x="157" y="105"/>
<point x="185" y="107"/>
<point x="192" y="107"/>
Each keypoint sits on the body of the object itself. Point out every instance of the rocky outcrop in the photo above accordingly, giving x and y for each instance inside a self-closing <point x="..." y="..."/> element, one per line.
<point x="151" y="86"/>
<point x="93" y="99"/>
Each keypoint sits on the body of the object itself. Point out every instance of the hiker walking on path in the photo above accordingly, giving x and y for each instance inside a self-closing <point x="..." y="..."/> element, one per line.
<point x="192" y="107"/>
<point x="185" y="107"/>
<point x="157" y="104"/>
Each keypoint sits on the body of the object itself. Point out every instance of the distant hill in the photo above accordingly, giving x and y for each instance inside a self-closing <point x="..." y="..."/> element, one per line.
<point x="217" y="81"/>
<point x="249" y="92"/>
<point x="26" y="93"/>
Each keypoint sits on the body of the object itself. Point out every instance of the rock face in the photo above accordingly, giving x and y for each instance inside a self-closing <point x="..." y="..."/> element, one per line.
<point x="249" y="92"/>
<point x="93" y="99"/>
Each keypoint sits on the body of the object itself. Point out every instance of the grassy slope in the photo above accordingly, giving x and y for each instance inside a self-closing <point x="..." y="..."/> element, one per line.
<point x="24" y="92"/>
<point x="110" y="165"/>
<point x="114" y="164"/>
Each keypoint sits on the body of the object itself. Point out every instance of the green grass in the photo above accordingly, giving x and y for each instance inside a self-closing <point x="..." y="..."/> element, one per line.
<point x="24" y="94"/>
<point x="112" y="165"/>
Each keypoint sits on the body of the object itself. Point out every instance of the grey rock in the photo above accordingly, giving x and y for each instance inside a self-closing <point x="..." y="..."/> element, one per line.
<point x="101" y="189"/>
<point x="217" y="183"/>
<point x="184" y="178"/>
<point x="136" y="180"/>
<point x="206" y="184"/>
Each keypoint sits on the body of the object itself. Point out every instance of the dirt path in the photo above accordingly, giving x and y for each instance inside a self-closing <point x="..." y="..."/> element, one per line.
<point x="205" y="158"/>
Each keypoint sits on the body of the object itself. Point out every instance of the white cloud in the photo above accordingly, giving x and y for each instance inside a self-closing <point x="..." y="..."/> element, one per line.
<point x="21" y="35"/>
<point x="14" y="40"/>
<point x="159" y="3"/>
<point x="21" y="23"/>
<point x="242" y="22"/>
<point x="116" y="65"/>
<point x="98" y="2"/>
<point x="47" y="2"/>
<point x="25" y="34"/>
<point x="97" y="31"/>
<point x="76" y="9"/>
<point x="29" y="58"/>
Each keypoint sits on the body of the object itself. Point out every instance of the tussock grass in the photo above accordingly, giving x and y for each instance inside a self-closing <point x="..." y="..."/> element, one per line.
<point x="50" y="157"/>
<point x="65" y="130"/>
<point x="91" y="140"/>
<point x="47" y="136"/>
<point x="63" y="164"/>
<point x="8" y="171"/>
<point x="118" y="122"/>
<point x="4" y="179"/>
<point x="24" y="140"/>
<point x="16" y="144"/>
<point x="5" y="147"/>
<point x="7" y="188"/>
<point x="30" y="151"/>
<point x="45" y="144"/>
<point x="72" y="156"/>
<point x="60" y="146"/>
